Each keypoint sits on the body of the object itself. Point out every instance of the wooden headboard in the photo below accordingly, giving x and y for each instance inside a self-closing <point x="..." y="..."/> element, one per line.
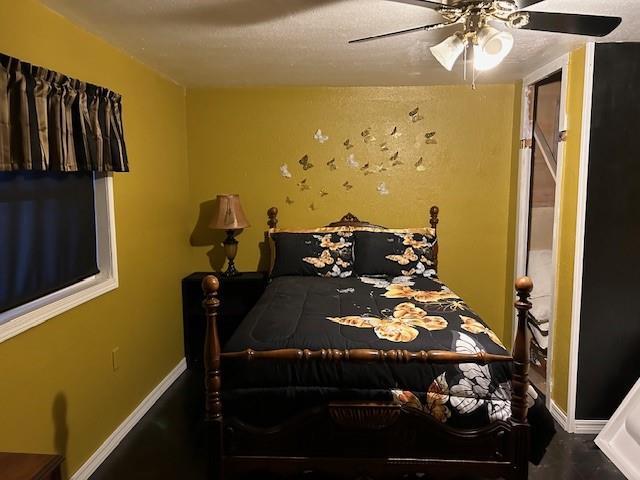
<point x="350" y="220"/>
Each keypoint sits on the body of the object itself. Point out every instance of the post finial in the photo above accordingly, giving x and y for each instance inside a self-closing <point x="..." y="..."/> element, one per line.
<point x="272" y="213"/>
<point x="435" y="210"/>
<point x="210" y="284"/>
<point x="524" y="285"/>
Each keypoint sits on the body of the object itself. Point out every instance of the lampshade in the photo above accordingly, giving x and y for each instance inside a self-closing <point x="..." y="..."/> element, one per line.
<point x="228" y="214"/>
<point x="492" y="48"/>
<point x="448" y="51"/>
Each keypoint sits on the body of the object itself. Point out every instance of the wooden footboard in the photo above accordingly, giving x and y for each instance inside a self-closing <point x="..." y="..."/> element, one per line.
<point x="498" y="450"/>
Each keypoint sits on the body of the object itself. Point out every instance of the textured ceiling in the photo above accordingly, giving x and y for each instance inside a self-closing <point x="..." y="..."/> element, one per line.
<point x="304" y="42"/>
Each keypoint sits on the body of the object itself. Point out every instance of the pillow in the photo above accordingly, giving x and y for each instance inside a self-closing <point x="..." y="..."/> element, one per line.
<point x="324" y="253"/>
<point x="395" y="252"/>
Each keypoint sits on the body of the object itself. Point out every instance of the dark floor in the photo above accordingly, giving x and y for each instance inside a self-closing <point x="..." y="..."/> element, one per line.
<point x="168" y="443"/>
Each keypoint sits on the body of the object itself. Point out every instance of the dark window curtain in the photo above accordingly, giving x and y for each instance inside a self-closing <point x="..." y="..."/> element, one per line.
<point x="47" y="234"/>
<point x="55" y="133"/>
<point x="51" y="122"/>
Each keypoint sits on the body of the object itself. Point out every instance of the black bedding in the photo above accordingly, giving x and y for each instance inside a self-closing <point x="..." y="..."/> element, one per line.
<point x="407" y="313"/>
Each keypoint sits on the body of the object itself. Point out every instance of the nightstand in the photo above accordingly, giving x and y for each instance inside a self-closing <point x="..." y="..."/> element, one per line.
<point x="237" y="296"/>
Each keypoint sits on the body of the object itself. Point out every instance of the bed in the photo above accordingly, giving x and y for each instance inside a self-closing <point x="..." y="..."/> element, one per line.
<point x="372" y="375"/>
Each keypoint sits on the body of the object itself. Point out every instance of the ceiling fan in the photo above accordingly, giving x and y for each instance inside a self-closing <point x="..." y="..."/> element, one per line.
<point x="490" y="45"/>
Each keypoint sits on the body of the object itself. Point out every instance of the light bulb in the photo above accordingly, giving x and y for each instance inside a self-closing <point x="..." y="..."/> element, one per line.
<point x="492" y="48"/>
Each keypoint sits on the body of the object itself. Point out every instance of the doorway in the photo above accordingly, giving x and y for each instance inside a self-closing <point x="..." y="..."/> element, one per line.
<point x="543" y="124"/>
<point x="542" y="201"/>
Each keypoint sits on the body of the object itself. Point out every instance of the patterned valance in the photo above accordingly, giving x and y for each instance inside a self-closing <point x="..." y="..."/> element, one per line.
<point x="49" y="121"/>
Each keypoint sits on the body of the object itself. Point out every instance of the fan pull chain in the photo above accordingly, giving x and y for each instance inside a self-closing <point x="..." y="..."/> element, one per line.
<point x="464" y="61"/>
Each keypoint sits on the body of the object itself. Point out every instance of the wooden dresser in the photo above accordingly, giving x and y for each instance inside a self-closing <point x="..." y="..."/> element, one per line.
<point x="29" y="466"/>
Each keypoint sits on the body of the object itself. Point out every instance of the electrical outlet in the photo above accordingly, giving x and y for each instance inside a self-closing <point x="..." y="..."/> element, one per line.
<point x="115" y="361"/>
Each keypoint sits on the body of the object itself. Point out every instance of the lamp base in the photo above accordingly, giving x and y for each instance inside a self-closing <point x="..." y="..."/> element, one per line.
<point x="230" y="250"/>
<point x="231" y="270"/>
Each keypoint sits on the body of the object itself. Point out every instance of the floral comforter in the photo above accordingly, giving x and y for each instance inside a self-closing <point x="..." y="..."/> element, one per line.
<point x="406" y="313"/>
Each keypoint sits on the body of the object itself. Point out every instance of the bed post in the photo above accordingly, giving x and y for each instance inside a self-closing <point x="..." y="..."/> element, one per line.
<point x="210" y="285"/>
<point x="435" y="210"/>
<point x="520" y="353"/>
<point x="520" y="382"/>
<point x="212" y="380"/>
<point x="272" y="213"/>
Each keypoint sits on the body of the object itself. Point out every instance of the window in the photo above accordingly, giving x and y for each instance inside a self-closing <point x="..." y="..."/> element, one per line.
<point x="57" y="245"/>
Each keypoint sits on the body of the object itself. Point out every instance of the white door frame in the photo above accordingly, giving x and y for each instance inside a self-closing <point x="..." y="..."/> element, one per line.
<point x="573" y="424"/>
<point x="524" y="193"/>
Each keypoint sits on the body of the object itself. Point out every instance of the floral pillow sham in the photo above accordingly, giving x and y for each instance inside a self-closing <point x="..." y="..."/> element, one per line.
<point x="395" y="253"/>
<point x="321" y="253"/>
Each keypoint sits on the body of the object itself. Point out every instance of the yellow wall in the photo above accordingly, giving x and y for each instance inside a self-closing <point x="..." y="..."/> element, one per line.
<point x="57" y="388"/>
<point x="512" y="222"/>
<point x="238" y="138"/>
<point x="567" y="231"/>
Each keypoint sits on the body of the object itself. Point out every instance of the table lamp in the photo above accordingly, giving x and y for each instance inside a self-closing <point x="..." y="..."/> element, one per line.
<point x="230" y="217"/>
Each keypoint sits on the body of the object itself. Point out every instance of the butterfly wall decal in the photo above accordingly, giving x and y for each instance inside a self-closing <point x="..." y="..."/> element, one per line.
<point x="369" y="167"/>
<point x="302" y="185"/>
<point x="415" y="115"/>
<point x="367" y="136"/>
<point x="382" y="189"/>
<point x="306" y="164"/>
<point x="352" y="162"/>
<point x="429" y="138"/>
<point x="284" y="171"/>
<point x="320" y="137"/>
<point x="395" y="133"/>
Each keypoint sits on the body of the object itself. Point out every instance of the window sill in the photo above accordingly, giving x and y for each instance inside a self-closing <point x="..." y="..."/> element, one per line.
<point x="45" y="308"/>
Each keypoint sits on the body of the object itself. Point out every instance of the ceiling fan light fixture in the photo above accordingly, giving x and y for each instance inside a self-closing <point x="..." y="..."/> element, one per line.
<point x="491" y="49"/>
<point x="448" y="51"/>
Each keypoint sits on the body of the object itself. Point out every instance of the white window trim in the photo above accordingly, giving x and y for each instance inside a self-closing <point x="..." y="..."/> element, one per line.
<point x="24" y="317"/>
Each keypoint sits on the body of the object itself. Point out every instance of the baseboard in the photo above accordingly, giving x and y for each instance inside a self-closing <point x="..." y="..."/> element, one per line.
<point x="582" y="427"/>
<point x="109" y="445"/>
<point x="559" y="416"/>
<point x="592" y="427"/>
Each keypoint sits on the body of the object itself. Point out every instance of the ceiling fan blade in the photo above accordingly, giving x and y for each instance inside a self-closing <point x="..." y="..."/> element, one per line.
<point x="422" y="3"/>
<point x="424" y="28"/>
<point x="526" y="3"/>
<point x="591" y="25"/>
